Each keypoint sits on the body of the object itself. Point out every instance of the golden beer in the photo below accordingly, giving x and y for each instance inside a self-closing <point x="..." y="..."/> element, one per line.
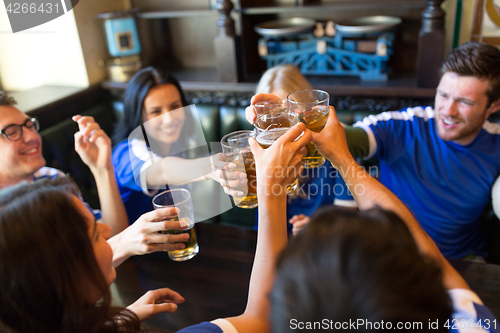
<point x="315" y="120"/>
<point x="312" y="108"/>
<point x="246" y="161"/>
<point x="236" y="149"/>
<point x="191" y="246"/>
<point x="266" y="138"/>
<point x="180" y="199"/>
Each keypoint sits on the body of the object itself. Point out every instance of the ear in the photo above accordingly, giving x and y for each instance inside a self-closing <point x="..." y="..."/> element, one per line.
<point x="494" y="107"/>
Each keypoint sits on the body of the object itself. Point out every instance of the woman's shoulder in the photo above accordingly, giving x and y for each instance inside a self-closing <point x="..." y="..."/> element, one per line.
<point x="216" y="326"/>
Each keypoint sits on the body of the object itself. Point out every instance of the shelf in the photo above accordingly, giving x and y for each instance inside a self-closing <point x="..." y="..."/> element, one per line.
<point x="206" y="79"/>
<point x="177" y="13"/>
<point x="340" y="5"/>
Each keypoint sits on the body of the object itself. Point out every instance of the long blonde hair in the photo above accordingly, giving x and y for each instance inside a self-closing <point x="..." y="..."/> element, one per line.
<point x="283" y="77"/>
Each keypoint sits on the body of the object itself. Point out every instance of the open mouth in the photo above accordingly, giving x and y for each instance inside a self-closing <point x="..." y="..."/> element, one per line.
<point x="449" y="122"/>
<point x="170" y="130"/>
<point x="30" y="151"/>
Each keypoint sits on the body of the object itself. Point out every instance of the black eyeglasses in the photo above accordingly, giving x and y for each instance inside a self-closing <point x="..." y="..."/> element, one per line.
<point x="15" y="132"/>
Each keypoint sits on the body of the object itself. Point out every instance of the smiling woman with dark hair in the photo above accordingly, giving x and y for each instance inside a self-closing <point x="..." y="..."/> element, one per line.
<point x="152" y="140"/>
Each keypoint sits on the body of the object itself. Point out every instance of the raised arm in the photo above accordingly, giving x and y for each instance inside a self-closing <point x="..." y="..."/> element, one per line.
<point x="284" y="154"/>
<point x="178" y="171"/>
<point x="94" y="147"/>
<point x="368" y="192"/>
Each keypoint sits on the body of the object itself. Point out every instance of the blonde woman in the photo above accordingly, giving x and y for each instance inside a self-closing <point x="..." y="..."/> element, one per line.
<point x="319" y="186"/>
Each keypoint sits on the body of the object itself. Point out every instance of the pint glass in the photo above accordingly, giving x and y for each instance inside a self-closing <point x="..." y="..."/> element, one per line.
<point x="236" y="149"/>
<point x="312" y="108"/>
<point x="270" y="127"/>
<point x="180" y="199"/>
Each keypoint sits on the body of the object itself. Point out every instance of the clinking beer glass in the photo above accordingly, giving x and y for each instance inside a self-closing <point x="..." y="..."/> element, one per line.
<point x="236" y="149"/>
<point x="270" y="127"/>
<point x="180" y="199"/>
<point x="312" y="107"/>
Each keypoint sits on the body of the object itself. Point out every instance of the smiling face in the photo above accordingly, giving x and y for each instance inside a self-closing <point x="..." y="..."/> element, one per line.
<point x="162" y="114"/>
<point x="21" y="158"/>
<point x="461" y="107"/>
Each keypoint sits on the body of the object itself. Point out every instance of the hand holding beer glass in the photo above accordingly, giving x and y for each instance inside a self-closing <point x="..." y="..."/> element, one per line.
<point x="236" y="150"/>
<point x="270" y="127"/>
<point x="312" y="107"/>
<point x="269" y="106"/>
<point x="181" y="200"/>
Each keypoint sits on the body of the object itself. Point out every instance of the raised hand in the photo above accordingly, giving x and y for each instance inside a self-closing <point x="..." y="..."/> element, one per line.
<point x="144" y="235"/>
<point x="92" y="144"/>
<point x="298" y="222"/>
<point x="228" y="175"/>
<point x="331" y="141"/>
<point x="250" y="112"/>
<point x="280" y="164"/>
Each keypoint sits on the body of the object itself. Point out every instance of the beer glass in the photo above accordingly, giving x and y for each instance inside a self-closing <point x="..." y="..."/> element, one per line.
<point x="270" y="106"/>
<point x="312" y="108"/>
<point x="270" y="127"/>
<point x="236" y="149"/>
<point x="180" y="199"/>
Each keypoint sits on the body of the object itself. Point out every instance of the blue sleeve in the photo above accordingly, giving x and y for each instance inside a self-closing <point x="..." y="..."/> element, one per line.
<point x="204" y="327"/>
<point x="389" y="132"/>
<point x="341" y="190"/>
<point x="127" y="166"/>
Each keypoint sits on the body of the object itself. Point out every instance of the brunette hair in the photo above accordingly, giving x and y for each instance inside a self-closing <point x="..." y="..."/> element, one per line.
<point x="476" y="59"/>
<point x="48" y="266"/>
<point x="348" y="265"/>
<point x="284" y="77"/>
<point x="6" y="99"/>
<point x="133" y="102"/>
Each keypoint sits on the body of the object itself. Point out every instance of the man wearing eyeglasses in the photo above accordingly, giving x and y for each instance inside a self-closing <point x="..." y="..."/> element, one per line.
<point x="22" y="160"/>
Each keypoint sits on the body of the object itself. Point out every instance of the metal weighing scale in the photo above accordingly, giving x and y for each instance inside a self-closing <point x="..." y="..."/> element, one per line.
<point x="360" y="47"/>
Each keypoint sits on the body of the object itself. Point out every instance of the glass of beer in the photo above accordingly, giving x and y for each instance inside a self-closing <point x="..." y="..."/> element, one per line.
<point x="180" y="199"/>
<point x="236" y="149"/>
<point x="270" y="106"/>
<point x="270" y="127"/>
<point x="312" y="108"/>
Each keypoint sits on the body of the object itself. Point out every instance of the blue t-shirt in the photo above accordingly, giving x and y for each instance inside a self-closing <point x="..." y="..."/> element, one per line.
<point x="445" y="185"/>
<point x="130" y="161"/>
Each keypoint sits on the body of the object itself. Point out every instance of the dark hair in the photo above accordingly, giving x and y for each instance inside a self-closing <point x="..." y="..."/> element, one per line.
<point x="479" y="60"/>
<point x="349" y="265"/>
<point x="48" y="266"/>
<point x="133" y="102"/>
<point x="6" y="99"/>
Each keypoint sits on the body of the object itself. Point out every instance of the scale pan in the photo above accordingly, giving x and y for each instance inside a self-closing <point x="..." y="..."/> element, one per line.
<point x="368" y="24"/>
<point x="285" y="27"/>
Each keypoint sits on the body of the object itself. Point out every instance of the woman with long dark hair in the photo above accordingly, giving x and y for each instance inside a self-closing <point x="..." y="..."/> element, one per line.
<point x="56" y="265"/>
<point x="154" y="137"/>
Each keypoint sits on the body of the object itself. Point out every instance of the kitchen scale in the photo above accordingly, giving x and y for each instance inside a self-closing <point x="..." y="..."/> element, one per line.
<point x="360" y="47"/>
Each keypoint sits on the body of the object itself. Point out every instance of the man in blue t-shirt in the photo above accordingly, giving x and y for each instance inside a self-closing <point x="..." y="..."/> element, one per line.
<point x="442" y="162"/>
